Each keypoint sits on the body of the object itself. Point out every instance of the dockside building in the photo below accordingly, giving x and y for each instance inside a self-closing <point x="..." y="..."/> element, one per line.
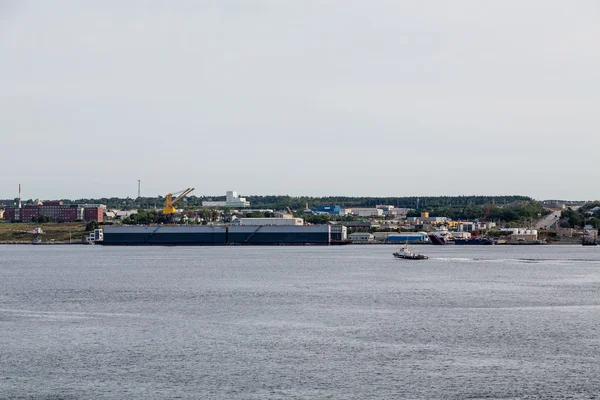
<point x="55" y="211"/>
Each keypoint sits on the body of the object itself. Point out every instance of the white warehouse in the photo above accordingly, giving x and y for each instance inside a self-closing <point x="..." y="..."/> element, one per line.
<point x="232" y="200"/>
<point x="367" y="212"/>
<point x="361" y="237"/>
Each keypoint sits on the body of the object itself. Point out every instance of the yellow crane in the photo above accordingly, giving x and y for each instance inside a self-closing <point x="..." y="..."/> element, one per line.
<point x="169" y="207"/>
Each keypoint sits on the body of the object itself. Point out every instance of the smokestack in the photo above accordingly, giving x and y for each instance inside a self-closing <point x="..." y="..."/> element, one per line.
<point x="139" y="187"/>
<point x="19" y="195"/>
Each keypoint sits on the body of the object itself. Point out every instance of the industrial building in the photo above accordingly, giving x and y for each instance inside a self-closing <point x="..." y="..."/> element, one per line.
<point x="408" y="237"/>
<point x="118" y="214"/>
<point x="425" y="218"/>
<point x="359" y="224"/>
<point x="361" y="237"/>
<point x="392" y="211"/>
<point x="518" y="235"/>
<point x="466" y="226"/>
<point x="332" y="210"/>
<point x="232" y="199"/>
<point x="382" y="236"/>
<point x="97" y="235"/>
<point x="396" y="212"/>
<point x="55" y="211"/>
<point x="367" y="212"/>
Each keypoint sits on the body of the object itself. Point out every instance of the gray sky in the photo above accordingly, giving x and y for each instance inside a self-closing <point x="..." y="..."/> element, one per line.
<point x="330" y="97"/>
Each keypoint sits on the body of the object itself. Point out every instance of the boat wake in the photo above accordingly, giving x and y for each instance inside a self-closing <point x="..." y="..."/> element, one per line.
<point x="55" y="315"/>
<point x="517" y="260"/>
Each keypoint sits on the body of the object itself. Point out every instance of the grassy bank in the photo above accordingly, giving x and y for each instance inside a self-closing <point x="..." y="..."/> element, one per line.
<point x="59" y="232"/>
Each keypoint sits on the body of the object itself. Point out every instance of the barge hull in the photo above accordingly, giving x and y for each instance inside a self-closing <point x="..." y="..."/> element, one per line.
<point x="223" y="235"/>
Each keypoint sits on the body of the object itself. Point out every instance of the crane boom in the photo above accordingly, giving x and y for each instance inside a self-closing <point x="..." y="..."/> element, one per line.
<point x="487" y="212"/>
<point x="485" y="215"/>
<point x="169" y="207"/>
<point x="182" y="195"/>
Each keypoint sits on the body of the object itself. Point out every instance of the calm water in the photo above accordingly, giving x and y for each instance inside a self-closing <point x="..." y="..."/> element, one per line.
<point x="349" y="322"/>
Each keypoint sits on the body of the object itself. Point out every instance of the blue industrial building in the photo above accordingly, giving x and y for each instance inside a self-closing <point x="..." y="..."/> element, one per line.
<point x="408" y="237"/>
<point x="333" y="210"/>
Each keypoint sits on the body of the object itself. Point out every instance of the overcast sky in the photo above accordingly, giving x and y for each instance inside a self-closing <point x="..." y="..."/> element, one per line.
<point x="330" y="97"/>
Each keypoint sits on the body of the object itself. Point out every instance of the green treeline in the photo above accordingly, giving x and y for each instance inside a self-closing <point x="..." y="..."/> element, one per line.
<point x="278" y="202"/>
<point x="399" y="202"/>
<point x="507" y="213"/>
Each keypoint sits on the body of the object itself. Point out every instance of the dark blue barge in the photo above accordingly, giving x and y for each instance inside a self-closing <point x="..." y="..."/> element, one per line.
<point x="202" y="235"/>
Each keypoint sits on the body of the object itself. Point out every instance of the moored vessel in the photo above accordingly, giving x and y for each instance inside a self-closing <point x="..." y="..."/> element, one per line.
<point x="589" y="236"/>
<point x="475" y="241"/>
<point x="440" y="237"/>
<point x="215" y="235"/>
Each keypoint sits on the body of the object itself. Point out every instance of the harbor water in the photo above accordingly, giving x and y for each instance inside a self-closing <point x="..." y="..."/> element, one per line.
<point x="307" y="322"/>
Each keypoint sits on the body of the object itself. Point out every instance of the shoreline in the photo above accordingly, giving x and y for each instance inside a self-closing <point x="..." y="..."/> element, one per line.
<point x="61" y="243"/>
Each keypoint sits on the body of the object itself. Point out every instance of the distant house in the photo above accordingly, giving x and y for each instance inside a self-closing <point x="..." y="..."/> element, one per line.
<point x="122" y="214"/>
<point x="592" y="211"/>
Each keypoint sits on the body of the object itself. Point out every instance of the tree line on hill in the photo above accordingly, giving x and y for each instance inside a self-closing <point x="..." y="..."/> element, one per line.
<point x="514" y="212"/>
<point x="280" y="202"/>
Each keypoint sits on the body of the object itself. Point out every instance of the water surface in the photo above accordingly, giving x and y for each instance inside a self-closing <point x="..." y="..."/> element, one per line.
<point x="299" y="322"/>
